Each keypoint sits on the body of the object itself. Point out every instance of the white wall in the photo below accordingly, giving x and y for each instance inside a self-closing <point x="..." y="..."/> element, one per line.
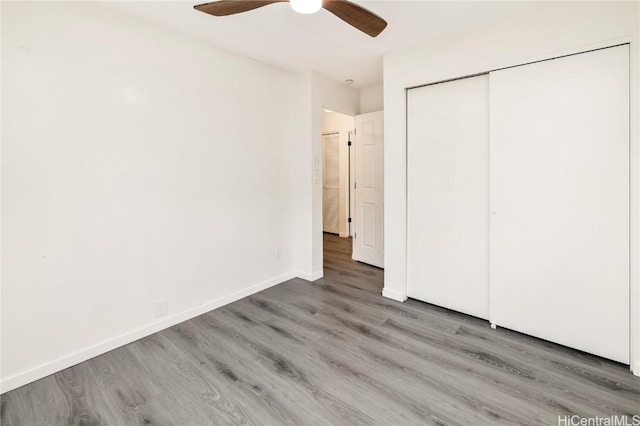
<point x="138" y="165"/>
<point x="371" y="99"/>
<point x="552" y="30"/>
<point x="344" y="125"/>
<point x="337" y="122"/>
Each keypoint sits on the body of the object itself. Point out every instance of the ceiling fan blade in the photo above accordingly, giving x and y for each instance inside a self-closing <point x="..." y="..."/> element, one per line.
<point x="356" y="16"/>
<point x="231" y="7"/>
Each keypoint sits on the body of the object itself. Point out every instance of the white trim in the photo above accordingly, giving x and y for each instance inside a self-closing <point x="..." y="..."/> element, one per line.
<point x="82" y="355"/>
<point x="310" y="277"/>
<point x="635" y="369"/>
<point x="395" y="295"/>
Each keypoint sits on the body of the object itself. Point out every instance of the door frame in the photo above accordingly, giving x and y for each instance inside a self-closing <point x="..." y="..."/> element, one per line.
<point x="346" y="139"/>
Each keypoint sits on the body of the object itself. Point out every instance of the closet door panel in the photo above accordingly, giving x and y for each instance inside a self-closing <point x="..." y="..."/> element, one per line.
<point x="448" y="195"/>
<point x="559" y="197"/>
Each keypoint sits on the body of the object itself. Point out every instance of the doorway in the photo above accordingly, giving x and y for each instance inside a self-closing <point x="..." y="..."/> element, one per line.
<point x="337" y="173"/>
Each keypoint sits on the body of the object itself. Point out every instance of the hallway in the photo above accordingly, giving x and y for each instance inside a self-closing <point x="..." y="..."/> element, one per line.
<point x="340" y="268"/>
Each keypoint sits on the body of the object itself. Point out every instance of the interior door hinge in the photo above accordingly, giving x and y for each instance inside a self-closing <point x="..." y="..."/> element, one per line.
<point x="349" y="220"/>
<point x="349" y="143"/>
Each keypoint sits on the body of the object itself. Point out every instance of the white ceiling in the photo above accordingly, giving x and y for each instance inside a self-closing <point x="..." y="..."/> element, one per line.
<point x="277" y="35"/>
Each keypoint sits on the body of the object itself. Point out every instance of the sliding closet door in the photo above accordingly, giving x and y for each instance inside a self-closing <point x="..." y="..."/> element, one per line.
<point x="448" y="195"/>
<point x="560" y="201"/>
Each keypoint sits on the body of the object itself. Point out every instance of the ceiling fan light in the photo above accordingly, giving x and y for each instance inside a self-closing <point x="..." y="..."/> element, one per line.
<point x="306" y="7"/>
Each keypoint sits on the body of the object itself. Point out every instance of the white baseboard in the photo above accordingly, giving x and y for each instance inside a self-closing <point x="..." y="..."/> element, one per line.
<point x="344" y="234"/>
<point x="392" y="294"/>
<point x="635" y="368"/>
<point x="74" y="358"/>
<point x="310" y="277"/>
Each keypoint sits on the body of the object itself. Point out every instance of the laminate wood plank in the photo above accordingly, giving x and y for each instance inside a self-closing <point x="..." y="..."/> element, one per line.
<point x="476" y="352"/>
<point x="118" y="373"/>
<point x="522" y="374"/>
<point x="344" y="385"/>
<point x="374" y="342"/>
<point x="339" y="391"/>
<point x="277" y="370"/>
<point x="24" y="406"/>
<point x="237" y="371"/>
<point x="331" y="352"/>
<point x="288" y="369"/>
<point x="206" y="400"/>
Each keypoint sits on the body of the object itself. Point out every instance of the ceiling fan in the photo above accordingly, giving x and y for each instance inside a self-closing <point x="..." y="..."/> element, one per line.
<point x="354" y="15"/>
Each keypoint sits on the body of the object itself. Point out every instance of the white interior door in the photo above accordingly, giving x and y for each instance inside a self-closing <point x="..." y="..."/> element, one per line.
<point x="559" y="152"/>
<point x="368" y="240"/>
<point x="331" y="183"/>
<point x="448" y="195"/>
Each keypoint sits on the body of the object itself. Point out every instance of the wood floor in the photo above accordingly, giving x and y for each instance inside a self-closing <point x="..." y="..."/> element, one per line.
<point x="334" y="352"/>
